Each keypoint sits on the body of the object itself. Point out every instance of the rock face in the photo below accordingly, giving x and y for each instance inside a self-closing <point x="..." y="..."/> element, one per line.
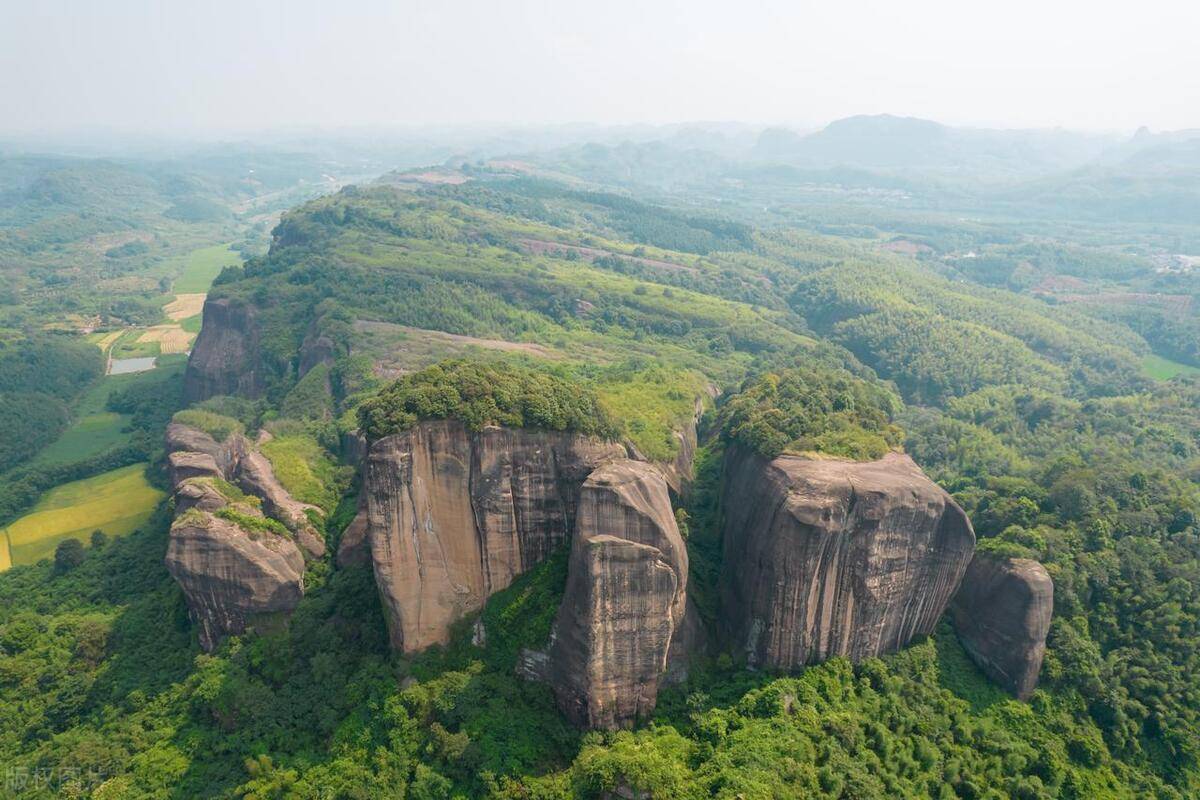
<point x="626" y="597"/>
<point x="256" y="476"/>
<point x="1002" y="615"/>
<point x="185" y="464"/>
<point x="453" y="516"/>
<point x="225" y="359"/>
<point x="233" y="580"/>
<point x="827" y="557"/>
<point x="354" y="550"/>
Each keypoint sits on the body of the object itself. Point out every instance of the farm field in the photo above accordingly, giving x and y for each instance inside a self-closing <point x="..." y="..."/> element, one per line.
<point x="115" y="502"/>
<point x="90" y="435"/>
<point x="198" y="268"/>
<point x="95" y="428"/>
<point x="1163" y="369"/>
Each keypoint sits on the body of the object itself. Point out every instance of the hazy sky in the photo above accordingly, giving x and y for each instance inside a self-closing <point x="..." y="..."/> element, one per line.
<point x="225" y="66"/>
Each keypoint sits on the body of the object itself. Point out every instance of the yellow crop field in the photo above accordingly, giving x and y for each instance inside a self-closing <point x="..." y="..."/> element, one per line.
<point x="185" y="305"/>
<point x="107" y="340"/>
<point x="116" y="502"/>
<point x="170" y="338"/>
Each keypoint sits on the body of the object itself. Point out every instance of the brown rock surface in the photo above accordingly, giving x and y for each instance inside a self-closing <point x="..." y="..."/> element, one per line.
<point x="626" y="596"/>
<point x="256" y="476"/>
<point x="234" y="580"/>
<point x="829" y="557"/>
<point x="200" y="494"/>
<point x="225" y="359"/>
<point x="353" y="549"/>
<point x="1002" y="614"/>
<point x="183" y="465"/>
<point x="453" y="516"/>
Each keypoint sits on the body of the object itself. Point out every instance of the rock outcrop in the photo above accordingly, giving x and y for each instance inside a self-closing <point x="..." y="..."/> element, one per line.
<point x="256" y="476"/>
<point x="235" y="576"/>
<point x="225" y="359"/>
<point x="234" y="580"/>
<point x="200" y="494"/>
<point x="828" y="558"/>
<point x="1002" y="614"/>
<point x="626" y="597"/>
<point x="182" y="465"/>
<point x="453" y="516"/>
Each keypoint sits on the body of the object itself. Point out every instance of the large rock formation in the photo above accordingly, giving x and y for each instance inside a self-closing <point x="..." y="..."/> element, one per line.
<point x="829" y="557"/>
<point x="1002" y="615"/>
<point x="625" y="598"/>
<point x="234" y="577"/>
<point x="225" y="359"/>
<point x="234" y="580"/>
<point x="453" y="516"/>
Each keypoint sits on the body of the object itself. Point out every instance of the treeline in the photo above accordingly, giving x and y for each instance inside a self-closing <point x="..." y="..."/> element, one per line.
<point x="482" y="394"/>
<point x="39" y="378"/>
<point x="810" y="409"/>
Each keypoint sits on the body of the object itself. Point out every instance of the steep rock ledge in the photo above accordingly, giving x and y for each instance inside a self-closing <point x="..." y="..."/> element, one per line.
<point x="225" y="359"/>
<point x="831" y="558"/>
<point x="234" y="580"/>
<point x="1002" y="614"/>
<point x="625" y="598"/>
<point x="453" y="516"/>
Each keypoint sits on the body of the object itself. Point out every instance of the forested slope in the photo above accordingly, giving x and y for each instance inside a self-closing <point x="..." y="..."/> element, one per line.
<point x="1035" y="416"/>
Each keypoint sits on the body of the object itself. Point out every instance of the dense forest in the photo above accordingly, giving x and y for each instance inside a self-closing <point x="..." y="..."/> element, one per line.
<point x="625" y="313"/>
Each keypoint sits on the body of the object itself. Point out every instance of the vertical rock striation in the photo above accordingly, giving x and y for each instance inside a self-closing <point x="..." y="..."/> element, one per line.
<point x="1002" y="614"/>
<point x="453" y="516"/>
<point x="626" y="597"/>
<point x="225" y="359"/>
<point x="831" y="558"/>
<point x="234" y="580"/>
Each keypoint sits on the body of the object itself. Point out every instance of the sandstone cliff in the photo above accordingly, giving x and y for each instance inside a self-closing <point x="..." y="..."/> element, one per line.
<point x="1002" y="614"/>
<point x="225" y="359"/>
<point x="233" y="577"/>
<point x="234" y="580"/>
<point x="453" y="516"/>
<point x="829" y="557"/>
<point x="624" y="601"/>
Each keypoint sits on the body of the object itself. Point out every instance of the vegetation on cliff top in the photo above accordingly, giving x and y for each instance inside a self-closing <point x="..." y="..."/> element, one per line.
<point x="812" y="410"/>
<point x="481" y="394"/>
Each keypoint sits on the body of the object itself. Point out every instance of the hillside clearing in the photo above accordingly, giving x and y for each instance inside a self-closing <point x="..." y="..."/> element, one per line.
<point x="1163" y="369"/>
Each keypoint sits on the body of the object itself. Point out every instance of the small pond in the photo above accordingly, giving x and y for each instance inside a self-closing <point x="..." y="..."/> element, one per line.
<point x="123" y="366"/>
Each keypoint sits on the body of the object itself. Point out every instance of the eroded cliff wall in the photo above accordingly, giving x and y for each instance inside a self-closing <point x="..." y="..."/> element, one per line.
<point x="453" y="516"/>
<point x="1002" y="614"/>
<point x="625" y="599"/>
<point x="826" y="557"/>
<point x="225" y="359"/>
